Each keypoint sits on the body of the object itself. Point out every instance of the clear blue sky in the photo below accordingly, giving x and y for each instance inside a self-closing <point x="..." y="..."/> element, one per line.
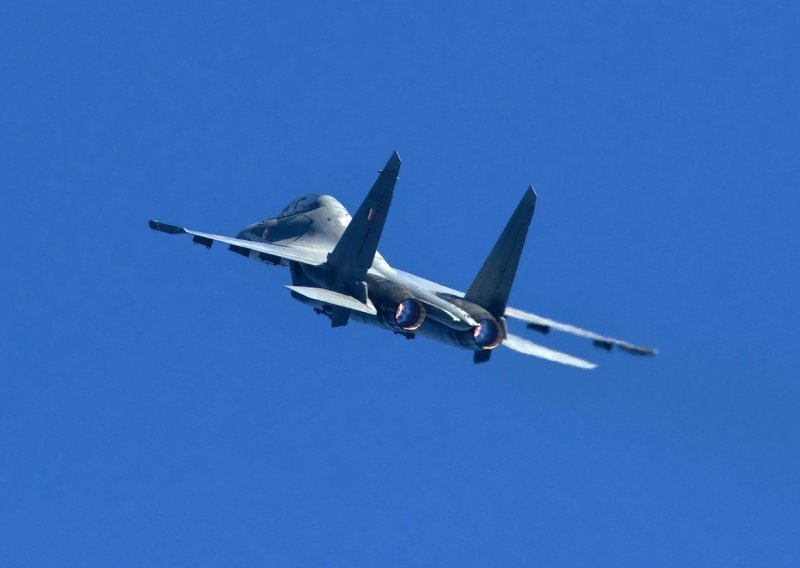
<point x="161" y="405"/>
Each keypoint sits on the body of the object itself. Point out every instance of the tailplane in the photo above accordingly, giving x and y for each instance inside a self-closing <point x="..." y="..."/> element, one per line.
<point x="492" y="285"/>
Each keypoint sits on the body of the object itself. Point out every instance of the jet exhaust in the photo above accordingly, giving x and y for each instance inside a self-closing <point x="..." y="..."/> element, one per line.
<point x="487" y="334"/>
<point x="397" y="308"/>
<point x="409" y="315"/>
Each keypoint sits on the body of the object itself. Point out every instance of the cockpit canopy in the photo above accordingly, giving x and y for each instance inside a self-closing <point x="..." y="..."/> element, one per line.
<point x="301" y="205"/>
<point x="311" y="201"/>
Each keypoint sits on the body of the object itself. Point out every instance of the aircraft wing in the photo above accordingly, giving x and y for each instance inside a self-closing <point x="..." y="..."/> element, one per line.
<point x="539" y="323"/>
<point x="295" y="253"/>
<point x="544" y="325"/>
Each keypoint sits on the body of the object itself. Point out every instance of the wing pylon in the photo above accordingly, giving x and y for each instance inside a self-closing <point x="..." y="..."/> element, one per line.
<point x="544" y="325"/>
<point x="303" y="255"/>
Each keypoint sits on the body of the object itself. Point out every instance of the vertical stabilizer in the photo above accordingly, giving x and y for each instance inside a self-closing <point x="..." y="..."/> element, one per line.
<point x="355" y="251"/>
<point x="492" y="285"/>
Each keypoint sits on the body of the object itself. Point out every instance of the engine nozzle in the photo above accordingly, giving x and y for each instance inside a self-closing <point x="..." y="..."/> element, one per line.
<point x="409" y="315"/>
<point x="487" y="334"/>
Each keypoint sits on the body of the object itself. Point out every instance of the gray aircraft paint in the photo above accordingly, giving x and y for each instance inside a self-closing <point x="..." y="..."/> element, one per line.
<point x="336" y="269"/>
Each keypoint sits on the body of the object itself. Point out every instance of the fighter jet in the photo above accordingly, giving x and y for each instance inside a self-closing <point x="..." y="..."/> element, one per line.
<point x="337" y="270"/>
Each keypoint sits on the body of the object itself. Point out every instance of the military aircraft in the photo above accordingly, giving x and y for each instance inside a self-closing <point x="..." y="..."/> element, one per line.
<point x="337" y="270"/>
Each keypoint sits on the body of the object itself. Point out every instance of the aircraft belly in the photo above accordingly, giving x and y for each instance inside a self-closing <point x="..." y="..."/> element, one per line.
<point x="430" y="329"/>
<point x="441" y="333"/>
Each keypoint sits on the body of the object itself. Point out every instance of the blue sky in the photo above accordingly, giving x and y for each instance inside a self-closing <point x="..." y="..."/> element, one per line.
<point x="162" y="406"/>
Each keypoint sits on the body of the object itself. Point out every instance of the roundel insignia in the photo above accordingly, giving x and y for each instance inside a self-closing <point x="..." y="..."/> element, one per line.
<point x="264" y="234"/>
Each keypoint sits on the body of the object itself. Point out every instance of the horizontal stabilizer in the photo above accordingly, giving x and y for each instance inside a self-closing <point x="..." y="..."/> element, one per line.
<point x="522" y="345"/>
<point x="334" y="299"/>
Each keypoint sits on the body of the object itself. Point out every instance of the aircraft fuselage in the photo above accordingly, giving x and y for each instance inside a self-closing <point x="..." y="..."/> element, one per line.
<point x="318" y="221"/>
